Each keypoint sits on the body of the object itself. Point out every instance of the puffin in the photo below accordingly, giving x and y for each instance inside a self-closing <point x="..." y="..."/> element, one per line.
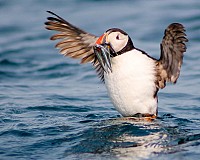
<point x="131" y="76"/>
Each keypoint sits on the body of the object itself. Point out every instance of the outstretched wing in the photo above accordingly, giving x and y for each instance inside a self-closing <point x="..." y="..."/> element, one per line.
<point x="172" y="48"/>
<point x="75" y="42"/>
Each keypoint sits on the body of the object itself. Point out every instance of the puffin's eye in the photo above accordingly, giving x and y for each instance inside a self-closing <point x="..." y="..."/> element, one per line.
<point x="117" y="37"/>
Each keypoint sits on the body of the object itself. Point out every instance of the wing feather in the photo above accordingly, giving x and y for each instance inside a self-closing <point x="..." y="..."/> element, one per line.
<point x="74" y="42"/>
<point x="172" y="48"/>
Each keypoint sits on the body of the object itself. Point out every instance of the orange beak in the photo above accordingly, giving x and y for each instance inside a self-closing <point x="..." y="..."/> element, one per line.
<point x="102" y="39"/>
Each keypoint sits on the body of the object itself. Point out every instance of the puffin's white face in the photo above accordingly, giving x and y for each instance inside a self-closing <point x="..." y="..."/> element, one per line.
<point x="117" y="40"/>
<point x="112" y="43"/>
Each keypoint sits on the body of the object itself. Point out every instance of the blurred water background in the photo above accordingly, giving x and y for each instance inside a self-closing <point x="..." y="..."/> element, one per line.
<point x="53" y="108"/>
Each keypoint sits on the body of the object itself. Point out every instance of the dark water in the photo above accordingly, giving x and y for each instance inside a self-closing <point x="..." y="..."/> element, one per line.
<point x="53" y="108"/>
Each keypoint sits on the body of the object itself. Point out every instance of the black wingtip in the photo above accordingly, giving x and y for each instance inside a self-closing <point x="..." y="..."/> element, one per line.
<point x="59" y="18"/>
<point x="52" y="13"/>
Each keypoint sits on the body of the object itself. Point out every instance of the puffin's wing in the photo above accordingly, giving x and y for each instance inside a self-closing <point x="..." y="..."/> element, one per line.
<point x="172" y="48"/>
<point x="74" y="42"/>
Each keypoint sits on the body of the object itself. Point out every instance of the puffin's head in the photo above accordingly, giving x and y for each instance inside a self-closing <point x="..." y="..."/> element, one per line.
<point x="112" y="43"/>
<point x="117" y="39"/>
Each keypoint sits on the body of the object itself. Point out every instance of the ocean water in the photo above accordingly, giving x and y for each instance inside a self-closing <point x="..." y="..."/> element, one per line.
<point x="51" y="107"/>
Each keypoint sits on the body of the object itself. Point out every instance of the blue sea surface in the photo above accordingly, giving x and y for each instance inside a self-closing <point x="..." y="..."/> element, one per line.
<point x="51" y="107"/>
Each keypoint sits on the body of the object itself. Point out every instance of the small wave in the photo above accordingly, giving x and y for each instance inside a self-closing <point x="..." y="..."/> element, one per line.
<point x="18" y="133"/>
<point x="69" y="108"/>
<point x="189" y="138"/>
<point x="6" y="62"/>
<point x="6" y="74"/>
<point x="59" y="66"/>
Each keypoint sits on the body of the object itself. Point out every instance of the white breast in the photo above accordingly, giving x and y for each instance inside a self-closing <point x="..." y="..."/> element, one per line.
<point x="131" y="84"/>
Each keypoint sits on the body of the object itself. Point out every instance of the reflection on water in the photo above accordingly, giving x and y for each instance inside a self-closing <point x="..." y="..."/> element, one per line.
<point x="139" y="140"/>
<point x="126" y="138"/>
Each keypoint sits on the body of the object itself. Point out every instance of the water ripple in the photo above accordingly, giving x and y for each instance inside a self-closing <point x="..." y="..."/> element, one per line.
<point x="53" y="108"/>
